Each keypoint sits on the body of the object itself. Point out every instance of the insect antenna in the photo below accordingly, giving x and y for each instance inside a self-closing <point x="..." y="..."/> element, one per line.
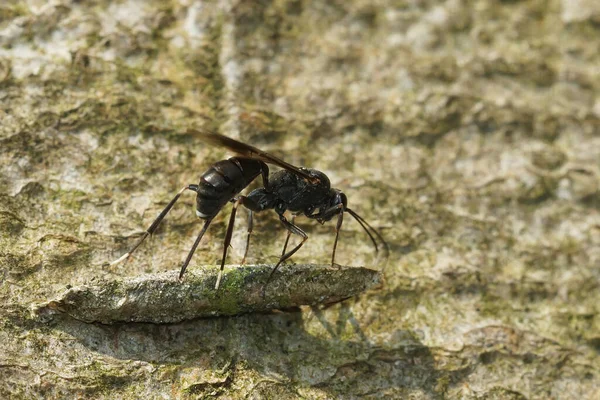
<point x="366" y="225"/>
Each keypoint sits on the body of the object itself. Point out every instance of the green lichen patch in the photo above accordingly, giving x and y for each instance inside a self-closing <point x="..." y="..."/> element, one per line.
<point x="163" y="298"/>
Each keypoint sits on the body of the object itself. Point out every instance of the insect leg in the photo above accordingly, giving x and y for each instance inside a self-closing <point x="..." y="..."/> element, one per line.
<point x="328" y="214"/>
<point x="251" y="205"/>
<point x="264" y="170"/>
<point x="293" y="229"/>
<point x="155" y="224"/>
<point x="250" y="226"/>
<point x="287" y="239"/>
<point x="337" y="231"/>
<point x="196" y="243"/>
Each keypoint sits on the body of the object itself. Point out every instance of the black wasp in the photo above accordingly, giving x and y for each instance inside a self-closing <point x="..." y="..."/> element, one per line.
<point x="299" y="190"/>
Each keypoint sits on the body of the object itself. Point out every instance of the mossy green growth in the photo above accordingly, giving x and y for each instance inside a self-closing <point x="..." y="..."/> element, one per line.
<point x="163" y="298"/>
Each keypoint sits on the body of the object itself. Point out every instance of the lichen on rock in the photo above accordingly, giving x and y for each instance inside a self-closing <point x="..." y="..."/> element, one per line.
<point x="163" y="298"/>
<point x="467" y="132"/>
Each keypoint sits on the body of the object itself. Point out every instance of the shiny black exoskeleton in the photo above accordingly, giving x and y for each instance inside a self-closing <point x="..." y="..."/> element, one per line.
<point x="288" y="191"/>
<point x="298" y="190"/>
<point x="223" y="180"/>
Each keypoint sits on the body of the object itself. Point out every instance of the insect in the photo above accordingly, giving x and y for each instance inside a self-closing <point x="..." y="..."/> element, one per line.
<point x="295" y="189"/>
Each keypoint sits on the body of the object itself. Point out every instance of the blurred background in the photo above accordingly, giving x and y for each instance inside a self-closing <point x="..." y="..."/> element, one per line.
<point x="466" y="131"/>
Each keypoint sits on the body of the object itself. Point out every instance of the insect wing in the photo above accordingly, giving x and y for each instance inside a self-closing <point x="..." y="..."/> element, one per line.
<point x="248" y="151"/>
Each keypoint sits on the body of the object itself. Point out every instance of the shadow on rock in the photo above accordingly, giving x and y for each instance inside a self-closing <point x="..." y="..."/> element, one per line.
<point x="277" y="351"/>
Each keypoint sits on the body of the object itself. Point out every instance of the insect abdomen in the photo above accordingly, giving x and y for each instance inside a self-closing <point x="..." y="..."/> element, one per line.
<point x="221" y="182"/>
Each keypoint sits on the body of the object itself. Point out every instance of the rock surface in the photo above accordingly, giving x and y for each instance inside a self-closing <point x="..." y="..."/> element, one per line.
<point x="163" y="298"/>
<point x="466" y="131"/>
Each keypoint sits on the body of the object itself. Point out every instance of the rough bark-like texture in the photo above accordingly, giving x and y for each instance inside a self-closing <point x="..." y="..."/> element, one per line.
<point x="467" y="131"/>
<point x="163" y="298"/>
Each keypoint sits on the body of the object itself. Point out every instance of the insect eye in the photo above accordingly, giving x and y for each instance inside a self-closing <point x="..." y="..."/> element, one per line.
<point x="343" y="199"/>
